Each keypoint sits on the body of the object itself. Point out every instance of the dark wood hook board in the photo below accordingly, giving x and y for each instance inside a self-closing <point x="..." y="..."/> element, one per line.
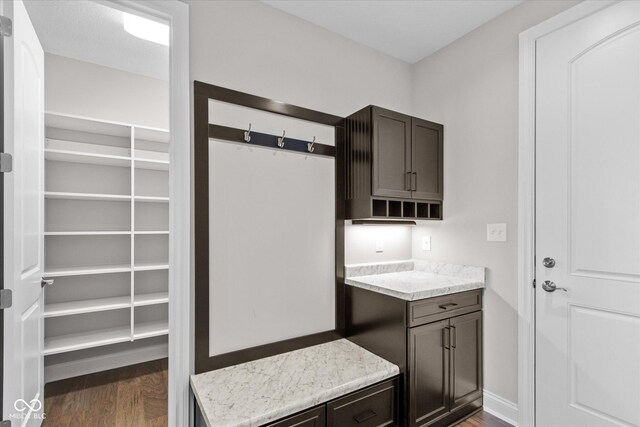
<point x="271" y="141"/>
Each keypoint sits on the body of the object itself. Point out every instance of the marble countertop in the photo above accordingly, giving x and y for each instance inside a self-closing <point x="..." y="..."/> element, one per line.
<point x="415" y="279"/>
<point x="265" y="390"/>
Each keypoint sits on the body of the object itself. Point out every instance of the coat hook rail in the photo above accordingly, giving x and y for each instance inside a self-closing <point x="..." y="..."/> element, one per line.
<point x="271" y="141"/>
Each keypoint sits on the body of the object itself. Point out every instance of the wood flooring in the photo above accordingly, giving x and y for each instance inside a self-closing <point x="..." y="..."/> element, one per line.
<point x="131" y="396"/>
<point x="136" y="396"/>
<point x="483" y="419"/>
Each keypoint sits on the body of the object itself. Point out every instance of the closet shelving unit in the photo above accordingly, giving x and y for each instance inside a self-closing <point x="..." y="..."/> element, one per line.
<point x="106" y="234"/>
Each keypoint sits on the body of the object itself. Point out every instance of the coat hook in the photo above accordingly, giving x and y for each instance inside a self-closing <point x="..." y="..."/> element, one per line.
<point x="247" y="134"/>
<point x="310" y="145"/>
<point x="281" y="140"/>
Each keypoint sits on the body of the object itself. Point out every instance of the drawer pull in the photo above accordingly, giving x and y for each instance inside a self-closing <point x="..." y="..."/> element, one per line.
<point x="367" y="415"/>
<point x="447" y="305"/>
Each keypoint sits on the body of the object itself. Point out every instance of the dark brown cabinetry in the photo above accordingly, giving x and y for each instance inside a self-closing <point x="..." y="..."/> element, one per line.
<point x="314" y="417"/>
<point x="373" y="406"/>
<point x="436" y="342"/>
<point x="393" y="165"/>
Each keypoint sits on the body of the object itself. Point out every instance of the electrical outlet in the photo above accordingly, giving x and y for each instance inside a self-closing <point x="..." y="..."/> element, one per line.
<point x="379" y="246"/>
<point x="497" y="232"/>
<point x="426" y="243"/>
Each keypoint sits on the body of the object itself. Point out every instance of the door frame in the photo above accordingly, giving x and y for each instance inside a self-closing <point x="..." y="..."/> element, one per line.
<point x="526" y="200"/>
<point x="176" y="13"/>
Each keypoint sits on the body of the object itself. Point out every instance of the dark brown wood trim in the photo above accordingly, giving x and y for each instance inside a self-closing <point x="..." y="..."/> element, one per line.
<point x="201" y="228"/>
<point x="265" y="104"/>
<point x="266" y="140"/>
<point x="202" y="131"/>
<point x="266" y="350"/>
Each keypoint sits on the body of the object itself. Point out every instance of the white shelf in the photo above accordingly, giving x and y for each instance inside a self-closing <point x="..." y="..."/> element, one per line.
<point x="96" y="338"/>
<point x="86" y="196"/>
<point x="84" y="271"/>
<point x="151" y="232"/>
<point x="150" y="329"/>
<point x="86" y="306"/>
<point x="151" y="199"/>
<point x="87" y="233"/>
<point x="87" y="158"/>
<point x="151" y="299"/>
<point x="150" y="267"/>
<point x="160" y="165"/>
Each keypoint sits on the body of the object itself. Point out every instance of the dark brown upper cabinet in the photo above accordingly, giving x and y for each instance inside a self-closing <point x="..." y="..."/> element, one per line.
<point x="393" y="166"/>
<point x="426" y="159"/>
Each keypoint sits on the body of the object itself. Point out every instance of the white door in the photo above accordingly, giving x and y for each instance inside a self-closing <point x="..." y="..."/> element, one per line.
<point x="24" y="139"/>
<point x="588" y="221"/>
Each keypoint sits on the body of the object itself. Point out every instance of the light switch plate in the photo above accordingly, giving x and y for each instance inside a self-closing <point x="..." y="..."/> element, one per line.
<point x="497" y="232"/>
<point x="426" y="243"/>
<point x="379" y="246"/>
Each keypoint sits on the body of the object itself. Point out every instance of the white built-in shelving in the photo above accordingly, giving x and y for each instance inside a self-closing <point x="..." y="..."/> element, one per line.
<point x="106" y="233"/>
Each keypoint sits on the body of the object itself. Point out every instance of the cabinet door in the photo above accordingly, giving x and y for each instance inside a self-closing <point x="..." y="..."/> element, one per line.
<point x="314" y="417"/>
<point x="466" y="359"/>
<point x="428" y="372"/>
<point x="391" y="154"/>
<point x="426" y="159"/>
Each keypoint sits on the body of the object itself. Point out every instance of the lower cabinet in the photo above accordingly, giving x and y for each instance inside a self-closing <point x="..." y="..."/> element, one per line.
<point x="314" y="417"/>
<point x="444" y="368"/>
<point x="375" y="406"/>
<point x="436" y="342"/>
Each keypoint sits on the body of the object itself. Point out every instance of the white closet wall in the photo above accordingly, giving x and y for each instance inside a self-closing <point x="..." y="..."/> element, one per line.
<point x="106" y="244"/>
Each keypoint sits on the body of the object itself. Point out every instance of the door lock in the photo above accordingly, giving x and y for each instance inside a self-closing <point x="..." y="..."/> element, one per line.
<point x="549" y="262"/>
<point x="549" y="286"/>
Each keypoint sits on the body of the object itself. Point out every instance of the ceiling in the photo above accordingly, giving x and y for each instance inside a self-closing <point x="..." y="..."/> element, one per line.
<point x="92" y="32"/>
<point x="407" y="30"/>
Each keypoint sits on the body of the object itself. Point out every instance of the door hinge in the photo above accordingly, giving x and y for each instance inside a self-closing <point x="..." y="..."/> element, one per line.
<point x="6" y="301"/>
<point x="6" y="29"/>
<point x="6" y="163"/>
<point x="534" y="283"/>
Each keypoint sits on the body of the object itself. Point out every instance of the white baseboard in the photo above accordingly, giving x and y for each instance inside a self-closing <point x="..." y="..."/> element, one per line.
<point x="90" y="365"/>
<point x="501" y="408"/>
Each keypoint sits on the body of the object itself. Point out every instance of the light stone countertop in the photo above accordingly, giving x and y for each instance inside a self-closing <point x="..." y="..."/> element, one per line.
<point x="265" y="390"/>
<point x="415" y="279"/>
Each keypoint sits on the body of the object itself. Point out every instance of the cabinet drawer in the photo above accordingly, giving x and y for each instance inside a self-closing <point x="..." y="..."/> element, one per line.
<point x="372" y="407"/>
<point x="314" y="417"/>
<point x="437" y="308"/>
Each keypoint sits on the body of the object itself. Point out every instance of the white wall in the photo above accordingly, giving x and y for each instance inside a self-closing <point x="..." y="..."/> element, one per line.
<point x="471" y="86"/>
<point x="90" y="90"/>
<point x="255" y="48"/>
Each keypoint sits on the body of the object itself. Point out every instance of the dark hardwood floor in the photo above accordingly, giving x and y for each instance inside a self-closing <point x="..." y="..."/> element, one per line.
<point x="136" y="396"/>
<point x="131" y="396"/>
<point x="483" y="419"/>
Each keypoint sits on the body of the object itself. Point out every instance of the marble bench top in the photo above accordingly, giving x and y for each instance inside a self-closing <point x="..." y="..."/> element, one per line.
<point x="265" y="390"/>
<point x="415" y="279"/>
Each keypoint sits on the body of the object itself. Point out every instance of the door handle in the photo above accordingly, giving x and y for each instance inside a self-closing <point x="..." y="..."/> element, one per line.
<point x="414" y="184"/>
<point x="454" y="337"/>
<point x="408" y="181"/>
<point x="46" y="282"/>
<point x="366" y="415"/>
<point x="446" y="338"/>
<point x="549" y="286"/>
<point x="447" y="305"/>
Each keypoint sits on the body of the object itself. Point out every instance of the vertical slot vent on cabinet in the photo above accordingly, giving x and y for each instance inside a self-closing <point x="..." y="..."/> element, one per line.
<point x="379" y="208"/>
<point x="395" y="208"/>
<point x="408" y="210"/>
